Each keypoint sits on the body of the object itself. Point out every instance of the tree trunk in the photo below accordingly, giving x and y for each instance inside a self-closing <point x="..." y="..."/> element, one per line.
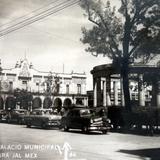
<point x="124" y="74"/>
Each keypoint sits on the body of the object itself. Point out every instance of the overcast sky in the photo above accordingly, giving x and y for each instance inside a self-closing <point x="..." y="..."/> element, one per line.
<point x="48" y="43"/>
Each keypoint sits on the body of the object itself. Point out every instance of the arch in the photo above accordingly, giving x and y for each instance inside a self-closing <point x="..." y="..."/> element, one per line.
<point x="47" y="103"/>
<point x="58" y="104"/>
<point x="10" y="103"/>
<point x="79" y="101"/>
<point x="37" y="103"/>
<point x="1" y="103"/>
<point x="67" y="103"/>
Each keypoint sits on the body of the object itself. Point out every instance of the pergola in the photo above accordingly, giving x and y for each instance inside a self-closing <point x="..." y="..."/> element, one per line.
<point x="103" y="74"/>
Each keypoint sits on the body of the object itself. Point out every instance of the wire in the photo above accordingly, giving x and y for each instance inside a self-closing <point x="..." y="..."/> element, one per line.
<point x="12" y="21"/>
<point x="38" y="18"/>
<point x="16" y="27"/>
<point x="35" y="15"/>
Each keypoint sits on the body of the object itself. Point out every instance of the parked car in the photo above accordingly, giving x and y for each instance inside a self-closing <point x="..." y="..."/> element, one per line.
<point x="3" y="116"/>
<point x="16" y="116"/>
<point x="43" y="118"/>
<point x="84" y="119"/>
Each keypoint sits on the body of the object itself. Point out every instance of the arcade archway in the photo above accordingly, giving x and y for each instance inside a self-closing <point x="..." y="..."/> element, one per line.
<point x="58" y="104"/>
<point x="10" y="103"/>
<point x="67" y="103"/>
<point x="79" y="101"/>
<point x="47" y="103"/>
<point x="37" y="103"/>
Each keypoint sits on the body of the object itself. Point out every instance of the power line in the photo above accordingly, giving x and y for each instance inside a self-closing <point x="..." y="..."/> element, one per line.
<point x="38" y="14"/>
<point x="37" y="17"/>
<point x="12" y="21"/>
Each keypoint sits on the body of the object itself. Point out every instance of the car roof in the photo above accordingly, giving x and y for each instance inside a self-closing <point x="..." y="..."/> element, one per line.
<point x="80" y="108"/>
<point x="19" y="110"/>
<point x="42" y="109"/>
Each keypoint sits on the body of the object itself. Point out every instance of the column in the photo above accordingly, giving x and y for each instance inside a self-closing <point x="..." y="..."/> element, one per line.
<point x="115" y="87"/>
<point x="86" y="101"/>
<point x="104" y="93"/>
<point x="99" y="93"/>
<point x="108" y="85"/>
<point x="122" y="93"/>
<point x="154" y="93"/>
<point x="95" y="93"/>
<point x="158" y="94"/>
<point x="141" y="91"/>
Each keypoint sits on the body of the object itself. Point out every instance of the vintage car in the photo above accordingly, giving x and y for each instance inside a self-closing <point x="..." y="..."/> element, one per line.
<point x="16" y="116"/>
<point x="43" y="118"/>
<point x="3" y="116"/>
<point x="84" y="119"/>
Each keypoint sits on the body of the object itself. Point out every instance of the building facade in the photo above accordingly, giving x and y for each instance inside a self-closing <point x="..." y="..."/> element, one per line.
<point x="48" y="89"/>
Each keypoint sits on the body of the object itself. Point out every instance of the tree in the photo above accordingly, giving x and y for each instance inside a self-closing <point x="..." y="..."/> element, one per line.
<point x="126" y="34"/>
<point x="23" y="98"/>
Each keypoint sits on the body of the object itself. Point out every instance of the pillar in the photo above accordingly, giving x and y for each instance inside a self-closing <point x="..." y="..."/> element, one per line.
<point x="158" y="94"/>
<point x="115" y="87"/>
<point x="104" y="93"/>
<point x="108" y="85"/>
<point x="95" y="93"/>
<point x="154" y="93"/>
<point x="99" y="93"/>
<point x="141" y="91"/>
<point x="122" y="93"/>
<point x="86" y="101"/>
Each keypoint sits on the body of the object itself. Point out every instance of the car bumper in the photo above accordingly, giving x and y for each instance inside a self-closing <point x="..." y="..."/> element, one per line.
<point x="53" y="124"/>
<point x="98" y="128"/>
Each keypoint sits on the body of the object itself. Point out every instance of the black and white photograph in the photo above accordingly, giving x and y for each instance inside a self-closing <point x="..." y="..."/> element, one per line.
<point x="79" y="79"/>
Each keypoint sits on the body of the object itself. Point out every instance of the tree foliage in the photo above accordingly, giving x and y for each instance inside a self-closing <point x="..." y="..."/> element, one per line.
<point x="132" y="31"/>
<point x="23" y="98"/>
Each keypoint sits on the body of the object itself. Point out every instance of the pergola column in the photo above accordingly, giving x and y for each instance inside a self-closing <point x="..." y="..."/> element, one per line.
<point x="108" y="88"/>
<point x="104" y="93"/>
<point x="99" y="95"/>
<point x="122" y="93"/>
<point x="86" y="101"/>
<point x="95" y="92"/>
<point x="141" y="91"/>
<point x="158" y="94"/>
<point x="115" y="87"/>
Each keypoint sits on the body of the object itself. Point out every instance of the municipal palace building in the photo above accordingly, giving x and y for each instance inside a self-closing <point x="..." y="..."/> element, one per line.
<point x="48" y="89"/>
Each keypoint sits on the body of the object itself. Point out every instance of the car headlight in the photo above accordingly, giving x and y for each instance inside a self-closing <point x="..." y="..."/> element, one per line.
<point x="91" y="120"/>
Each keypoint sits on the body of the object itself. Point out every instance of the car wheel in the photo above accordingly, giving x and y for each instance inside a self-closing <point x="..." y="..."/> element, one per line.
<point x="65" y="128"/>
<point x="85" y="129"/>
<point x="28" y="125"/>
<point x="43" y="125"/>
<point x="104" y="132"/>
<point x="20" y="121"/>
<point x="8" y="121"/>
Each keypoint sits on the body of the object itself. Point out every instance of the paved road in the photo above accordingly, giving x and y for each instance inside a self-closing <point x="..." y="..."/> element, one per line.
<point x="20" y="143"/>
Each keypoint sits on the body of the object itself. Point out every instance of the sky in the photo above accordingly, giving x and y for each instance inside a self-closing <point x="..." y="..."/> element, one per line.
<point x="49" y="43"/>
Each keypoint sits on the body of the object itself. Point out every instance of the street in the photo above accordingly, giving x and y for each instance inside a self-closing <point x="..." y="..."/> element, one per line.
<point x="19" y="142"/>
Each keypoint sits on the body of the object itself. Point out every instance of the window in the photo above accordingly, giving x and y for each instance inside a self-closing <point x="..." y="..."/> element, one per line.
<point x="24" y="82"/>
<point x="67" y="89"/>
<point x="10" y="85"/>
<point x="79" y="88"/>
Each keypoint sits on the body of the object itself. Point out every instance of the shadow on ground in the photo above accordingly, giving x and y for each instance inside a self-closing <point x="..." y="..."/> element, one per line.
<point x="145" y="154"/>
<point x="142" y="132"/>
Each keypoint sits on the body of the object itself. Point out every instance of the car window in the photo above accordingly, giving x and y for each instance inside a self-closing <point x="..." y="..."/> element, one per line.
<point x="85" y="112"/>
